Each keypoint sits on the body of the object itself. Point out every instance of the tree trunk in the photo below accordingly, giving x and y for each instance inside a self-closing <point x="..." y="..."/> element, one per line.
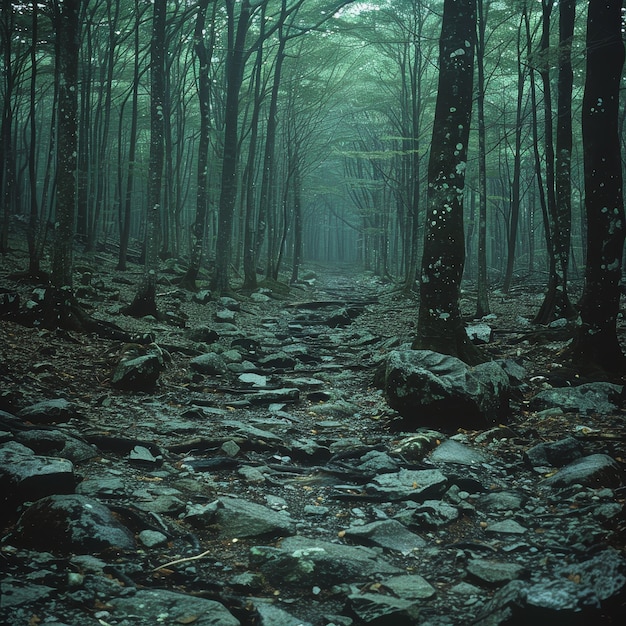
<point x="7" y="156"/>
<point x="228" y="192"/>
<point x="204" y="95"/>
<point x="440" y="326"/>
<point x="125" y="207"/>
<point x="66" y="19"/>
<point x="556" y="302"/>
<point x="145" y="299"/>
<point x="517" y="163"/>
<point x="482" y="301"/>
<point x="596" y="344"/>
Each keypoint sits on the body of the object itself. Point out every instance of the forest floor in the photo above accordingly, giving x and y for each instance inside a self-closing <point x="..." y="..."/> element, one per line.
<point x="304" y="452"/>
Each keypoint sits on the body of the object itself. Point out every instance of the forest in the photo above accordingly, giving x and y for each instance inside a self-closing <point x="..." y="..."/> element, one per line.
<point x="244" y="138"/>
<point x="310" y="312"/>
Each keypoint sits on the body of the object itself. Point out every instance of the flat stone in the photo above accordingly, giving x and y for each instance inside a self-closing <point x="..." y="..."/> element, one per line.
<point x="307" y="562"/>
<point x="161" y="606"/>
<point x="240" y="518"/>
<point x="434" y="514"/>
<point x="102" y="487"/>
<point x="494" y="572"/>
<point x="410" y="587"/>
<point x="555" y="453"/>
<point x="600" y="397"/>
<point x="57" y="443"/>
<point x="501" y="501"/>
<point x="211" y="364"/>
<point x="271" y="615"/>
<point x="388" y="533"/>
<point x="371" y="608"/>
<point x="595" y="470"/>
<point x="451" y="451"/>
<point x="14" y="592"/>
<point x="408" y="485"/>
<point x="509" y="526"/>
<point x="49" y="411"/>
<point x="255" y="380"/>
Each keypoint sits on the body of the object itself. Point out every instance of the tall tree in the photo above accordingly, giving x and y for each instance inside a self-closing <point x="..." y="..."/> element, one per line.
<point x="236" y="56"/>
<point x="557" y="214"/>
<point x="596" y="343"/>
<point x="203" y="53"/>
<point x="66" y="16"/>
<point x="440" y="326"/>
<point x="513" y="224"/>
<point x="145" y="299"/>
<point x="482" y="300"/>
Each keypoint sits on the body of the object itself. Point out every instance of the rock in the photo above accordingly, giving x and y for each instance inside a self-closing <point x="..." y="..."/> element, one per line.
<point x="307" y="562"/>
<point x="152" y="538"/>
<point x="229" y="303"/>
<point x="254" y="380"/>
<point x="506" y="527"/>
<point x="556" y="453"/>
<point x="240" y="518"/>
<point x="211" y="364"/>
<point x="406" y="484"/>
<point x="494" y="572"/>
<point x="432" y="389"/>
<point x="202" y="297"/>
<point x="382" y="610"/>
<point x="102" y="487"/>
<point x="410" y="587"/>
<point x="260" y="298"/>
<point x="268" y="396"/>
<point x="49" y="411"/>
<point x="224" y="316"/>
<point x="600" y="397"/>
<point x="451" y="451"/>
<point x="596" y="470"/>
<point x="15" y="593"/>
<point x="202" y="334"/>
<point x="479" y="333"/>
<point x="271" y="615"/>
<point x="25" y="476"/>
<point x="71" y="523"/>
<point x="502" y="501"/>
<point x="377" y="462"/>
<point x="58" y="444"/>
<point x="386" y="534"/>
<point x="278" y="360"/>
<point x="434" y="514"/>
<point x="342" y="317"/>
<point x="148" y="607"/>
<point x="579" y="595"/>
<point x="139" y="373"/>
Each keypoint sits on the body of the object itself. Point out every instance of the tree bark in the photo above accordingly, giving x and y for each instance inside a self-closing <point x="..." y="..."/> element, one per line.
<point x="482" y="300"/>
<point x="556" y="303"/>
<point x="596" y="343"/>
<point x="66" y="19"/>
<point x="235" y="63"/>
<point x="204" y="93"/>
<point x="440" y="326"/>
<point x="145" y="300"/>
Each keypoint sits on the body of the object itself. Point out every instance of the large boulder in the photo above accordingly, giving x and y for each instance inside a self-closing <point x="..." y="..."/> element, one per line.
<point x="437" y="390"/>
<point x="71" y="523"/>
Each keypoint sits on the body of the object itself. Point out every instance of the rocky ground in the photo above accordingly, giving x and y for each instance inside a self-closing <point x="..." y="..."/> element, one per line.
<point x="264" y="479"/>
